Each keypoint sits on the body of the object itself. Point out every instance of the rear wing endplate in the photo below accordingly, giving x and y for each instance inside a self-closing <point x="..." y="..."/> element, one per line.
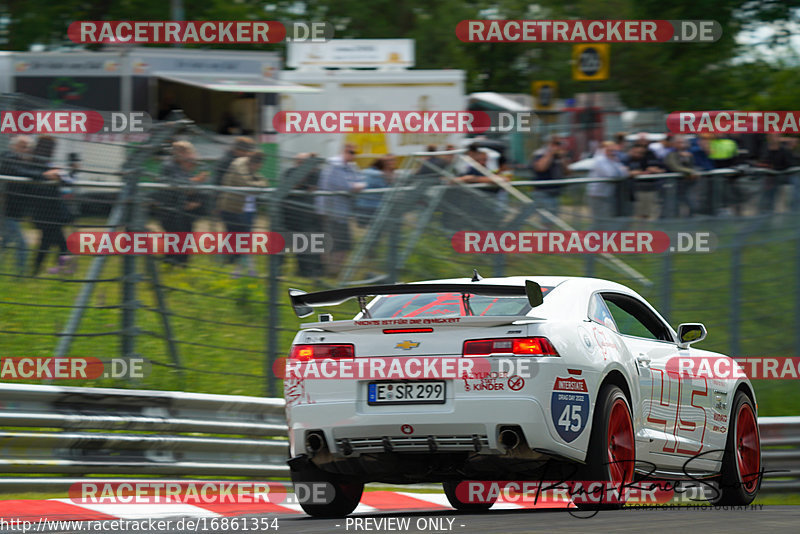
<point x="304" y="303"/>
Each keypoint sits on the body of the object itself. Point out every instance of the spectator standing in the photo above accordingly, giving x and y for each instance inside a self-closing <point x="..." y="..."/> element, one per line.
<point x="341" y="177"/>
<point x="180" y="205"/>
<point x="16" y="162"/>
<point x="699" y="147"/>
<point x="50" y="212"/>
<point x="622" y="146"/>
<point x="550" y="163"/>
<point x="239" y="209"/>
<point x="68" y="178"/>
<point x="724" y="152"/>
<point x="776" y="156"/>
<point x="456" y="201"/>
<point x="428" y="170"/>
<point x="483" y="214"/>
<point x="601" y="195"/>
<point x="298" y="208"/>
<point x="643" y="162"/>
<point x="680" y="159"/>
<point x="241" y="147"/>
<point x="379" y="175"/>
<point x="663" y="147"/>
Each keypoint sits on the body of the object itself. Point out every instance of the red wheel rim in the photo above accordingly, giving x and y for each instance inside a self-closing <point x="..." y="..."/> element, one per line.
<point x="748" y="448"/>
<point x="621" y="451"/>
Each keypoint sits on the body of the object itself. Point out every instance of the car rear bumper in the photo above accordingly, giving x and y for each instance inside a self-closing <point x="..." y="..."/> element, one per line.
<point x="465" y="425"/>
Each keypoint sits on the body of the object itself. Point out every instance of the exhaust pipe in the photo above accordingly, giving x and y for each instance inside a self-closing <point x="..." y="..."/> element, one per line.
<point x="315" y="442"/>
<point x="509" y="438"/>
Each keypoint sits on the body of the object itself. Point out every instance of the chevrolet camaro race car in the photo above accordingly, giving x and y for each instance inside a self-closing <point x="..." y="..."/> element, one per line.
<point x="561" y="378"/>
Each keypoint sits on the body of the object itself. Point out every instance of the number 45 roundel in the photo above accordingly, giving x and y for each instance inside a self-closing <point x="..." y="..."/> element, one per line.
<point x="569" y="407"/>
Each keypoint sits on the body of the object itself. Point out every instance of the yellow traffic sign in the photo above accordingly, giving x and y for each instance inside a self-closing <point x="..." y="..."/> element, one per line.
<point x="590" y="61"/>
<point x="544" y="92"/>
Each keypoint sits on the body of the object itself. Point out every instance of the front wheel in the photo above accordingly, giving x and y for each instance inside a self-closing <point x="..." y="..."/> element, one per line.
<point x="612" y="450"/>
<point x="346" y="493"/>
<point x="740" y="478"/>
<point x="450" y="486"/>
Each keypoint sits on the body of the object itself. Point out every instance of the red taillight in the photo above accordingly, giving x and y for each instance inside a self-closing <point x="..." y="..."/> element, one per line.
<point x="407" y="330"/>
<point x="518" y="346"/>
<point x="304" y="353"/>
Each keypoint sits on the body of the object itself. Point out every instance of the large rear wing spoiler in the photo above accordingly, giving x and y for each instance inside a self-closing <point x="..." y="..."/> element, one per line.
<point x="304" y="303"/>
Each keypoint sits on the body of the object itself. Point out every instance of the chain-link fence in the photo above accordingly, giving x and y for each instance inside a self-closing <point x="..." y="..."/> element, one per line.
<point x="216" y="323"/>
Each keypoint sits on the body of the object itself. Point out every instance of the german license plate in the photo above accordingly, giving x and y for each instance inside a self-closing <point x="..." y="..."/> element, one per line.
<point x="420" y="392"/>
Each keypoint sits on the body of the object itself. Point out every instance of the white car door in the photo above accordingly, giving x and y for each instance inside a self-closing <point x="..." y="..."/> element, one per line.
<point x="673" y="408"/>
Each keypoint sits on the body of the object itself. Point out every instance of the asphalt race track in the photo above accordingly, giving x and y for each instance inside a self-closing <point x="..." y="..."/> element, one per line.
<point x="778" y="519"/>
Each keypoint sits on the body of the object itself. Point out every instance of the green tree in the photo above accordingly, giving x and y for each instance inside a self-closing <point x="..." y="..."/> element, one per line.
<point x="666" y="75"/>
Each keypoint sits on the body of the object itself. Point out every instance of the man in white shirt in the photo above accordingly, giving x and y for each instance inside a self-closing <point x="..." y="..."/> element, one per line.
<point x="601" y="194"/>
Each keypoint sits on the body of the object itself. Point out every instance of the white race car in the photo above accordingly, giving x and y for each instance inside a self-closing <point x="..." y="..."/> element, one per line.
<point x="582" y="384"/>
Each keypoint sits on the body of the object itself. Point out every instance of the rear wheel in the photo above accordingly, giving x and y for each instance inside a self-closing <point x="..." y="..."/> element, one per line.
<point x="459" y="504"/>
<point x="346" y="492"/>
<point x="740" y="477"/>
<point x="612" y="450"/>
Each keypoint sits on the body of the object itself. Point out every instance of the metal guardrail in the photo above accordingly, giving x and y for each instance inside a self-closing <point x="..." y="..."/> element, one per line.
<point x="139" y="432"/>
<point x="164" y="433"/>
<point x="780" y="453"/>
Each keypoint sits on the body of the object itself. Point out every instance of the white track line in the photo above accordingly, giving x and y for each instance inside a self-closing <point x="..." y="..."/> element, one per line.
<point x="139" y="511"/>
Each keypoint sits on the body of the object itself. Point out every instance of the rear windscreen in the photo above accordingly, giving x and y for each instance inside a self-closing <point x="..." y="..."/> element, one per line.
<point x="448" y="305"/>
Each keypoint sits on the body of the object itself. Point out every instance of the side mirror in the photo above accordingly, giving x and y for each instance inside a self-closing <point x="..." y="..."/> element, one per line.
<point x="689" y="333"/>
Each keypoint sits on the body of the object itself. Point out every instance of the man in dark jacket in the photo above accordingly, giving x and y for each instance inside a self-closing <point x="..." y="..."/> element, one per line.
<point x="642" y="162"/>
<point x="550" y="163"/>
<point x="13" y="163"/>
<point x="679" y="159"/>
<point x="49" y="211"/>
<point x="298" y="207"/>
<point x="776" y="156"/>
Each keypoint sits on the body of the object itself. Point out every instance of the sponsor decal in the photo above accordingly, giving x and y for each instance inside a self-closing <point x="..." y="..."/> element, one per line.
<point x="569" y="407"/>
<point x="294" y="391"/>
<point x="607" y="347"/>
<point x="493" y="381"/>
<point x="516" y="383"/>
<point x="407" y="429"/>
<point x="391" y="322"/>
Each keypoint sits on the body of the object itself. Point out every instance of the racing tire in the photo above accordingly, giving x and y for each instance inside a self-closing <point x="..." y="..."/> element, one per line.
<point x="740" y="478"/>
<point x="347" y="492"/>
<point x="450" y="486"/>
<point x="612" y="449"/>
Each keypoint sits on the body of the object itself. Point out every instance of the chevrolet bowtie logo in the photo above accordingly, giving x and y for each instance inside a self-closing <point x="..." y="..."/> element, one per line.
<point x="407" y="345"/>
